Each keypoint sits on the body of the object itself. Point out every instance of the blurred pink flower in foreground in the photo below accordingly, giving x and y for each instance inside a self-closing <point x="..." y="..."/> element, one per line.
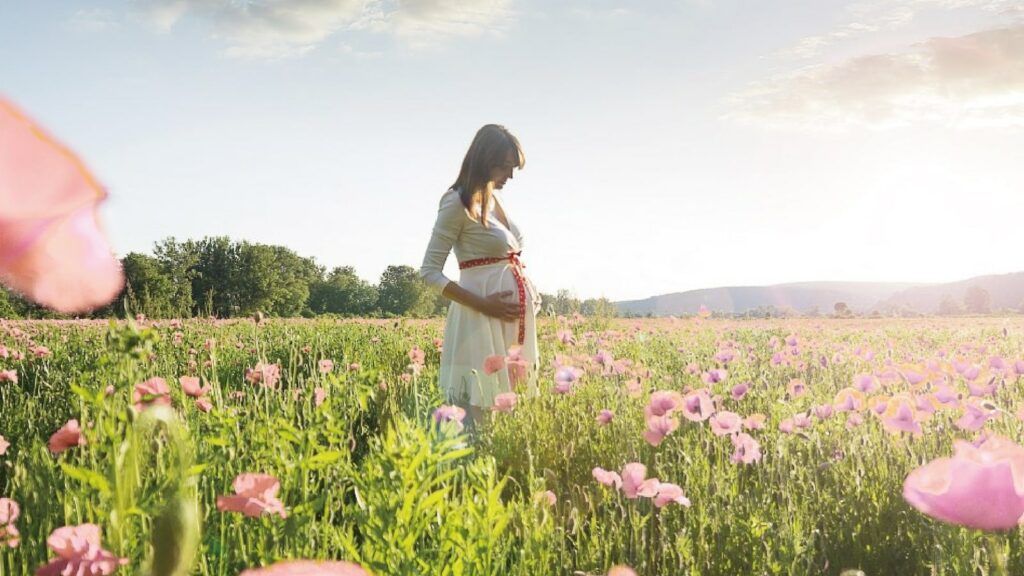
<point x="68" y="436"/>
<point x="545" y="498"/>
<point x="152" y="392"/>
<point x="255" y="495"/>
<point x="978" y="487"/>
<point x="79" y="553"/>
<point x="621" y="570"/>
<point x="52" y="248"/>
<point x="9" y="376"/>
<point x="493" y="363"/>
<point x="446" y="413"/>
<point x="308" y="568"/>
<point x="565" y="377"/>
<point x="505" y="402"/>
<point x="4" y="445"/>
<point x="9" y="512"/>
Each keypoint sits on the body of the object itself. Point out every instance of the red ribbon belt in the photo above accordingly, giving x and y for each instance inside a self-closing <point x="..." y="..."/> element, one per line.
<point x="517" y="266"/>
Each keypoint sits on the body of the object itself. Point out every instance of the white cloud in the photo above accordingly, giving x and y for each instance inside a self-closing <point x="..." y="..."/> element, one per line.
<point x="285" y="28"/>
<point x="873" y="16"/>
<point x="92" y="20"/>
<point x="968" y="81"/>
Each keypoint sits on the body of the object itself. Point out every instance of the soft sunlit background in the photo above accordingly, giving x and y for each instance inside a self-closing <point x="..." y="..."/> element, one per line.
<point x="670" y="145"/>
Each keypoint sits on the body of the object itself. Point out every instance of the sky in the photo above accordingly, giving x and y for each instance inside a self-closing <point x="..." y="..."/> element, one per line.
<point x="670" y="145"/>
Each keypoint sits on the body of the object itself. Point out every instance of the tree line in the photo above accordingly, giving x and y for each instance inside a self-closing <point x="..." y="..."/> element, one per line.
<point x="219" y="277"/>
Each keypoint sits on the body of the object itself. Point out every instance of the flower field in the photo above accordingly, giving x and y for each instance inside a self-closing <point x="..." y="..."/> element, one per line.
<point x="668" y="446"/>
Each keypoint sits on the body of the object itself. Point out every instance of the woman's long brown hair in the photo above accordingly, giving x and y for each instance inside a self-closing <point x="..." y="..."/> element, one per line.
<point x="489" y="149"/>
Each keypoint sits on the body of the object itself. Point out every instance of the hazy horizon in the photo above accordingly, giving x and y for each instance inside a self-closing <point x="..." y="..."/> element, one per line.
<point x="672" y="146"/>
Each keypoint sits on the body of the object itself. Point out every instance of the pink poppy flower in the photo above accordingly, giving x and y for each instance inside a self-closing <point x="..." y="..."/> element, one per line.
<point x="714" y="376"/>
<point x="319" y="396"/>
<point x="978" y="487"/>
<point x="325" y="365"/>
<point x="787" y="426"/>
<point x="632" y="477"/>
<point x="52" y="247"/>
<point x="417" y="356"/>
<point x="982" y="389"/>
<point x="354" y="367"/>
<point x="447" y="413"/>
<point x="604" y="358"/>
<point x="40" y="351"/>
<point x="68" y="436"/>
<point x="566" y="337"/>
<point x="697" y="406"/>
<point x="866" y="383"/>
<point x="505" y="402"/>
<point x="849" y="400"/>
<point x="802" y="420"/>
<point x="606" y="477"/>
<point x="621" y="570"/>
<point x="190" y="385"/>
<point x="603" y="418"/>
<point x="823" y="411"/>
<point x="545" y="498"/>
<point x="747" y="450"/>
<point x="4" y="445"/>
<point x="648" y="488"/>
<point x="663" y="402"/>
<point x="725" y="423"/>
<point x="900" y="417"/>
<point x="79" y="552"/>
<point x="796" y="388"/>
<point x="740" y="390"/>
<point x="853" y="420"/>
<point x="152" y="392"/>
<point x="754" y="422"/>
<point x="9" y="376"/>
<point x="493" y="363"/>
<point x="565" y="378"/>
<point x="658" y="427"/>
<point x="669" y="493"/>
<point x="974" y="417"/>
<point x="255" y="495"/>
<point x="203" y="404"/>
<point x="266" y="375"/>
<point x="9" y="512"/>
<point x="308" y="568"/>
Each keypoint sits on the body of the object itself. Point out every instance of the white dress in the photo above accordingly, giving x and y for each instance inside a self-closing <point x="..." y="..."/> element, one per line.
<point x="470" y="336"/>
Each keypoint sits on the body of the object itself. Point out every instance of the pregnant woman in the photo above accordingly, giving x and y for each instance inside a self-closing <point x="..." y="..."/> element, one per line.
<point x="493" y="309"/>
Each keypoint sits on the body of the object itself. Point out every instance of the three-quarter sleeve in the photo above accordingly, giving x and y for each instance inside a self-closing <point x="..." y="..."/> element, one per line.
<point x="450" y="218"/>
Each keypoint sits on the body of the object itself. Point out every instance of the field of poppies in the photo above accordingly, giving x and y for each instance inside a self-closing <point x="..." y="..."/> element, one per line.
<point x="665" y="446"/>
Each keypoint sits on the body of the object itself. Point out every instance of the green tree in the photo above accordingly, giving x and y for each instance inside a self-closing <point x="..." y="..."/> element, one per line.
<point x="401" y="292"/>
<point x="7" y="309"/>
<point x="343" y="292"/>
<point x="566" y="303"/>
<point x="148" y="290"/>
<point x="949" y="307"/>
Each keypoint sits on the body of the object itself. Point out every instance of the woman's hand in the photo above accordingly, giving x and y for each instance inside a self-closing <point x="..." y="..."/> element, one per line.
<point x="496" y="306"/>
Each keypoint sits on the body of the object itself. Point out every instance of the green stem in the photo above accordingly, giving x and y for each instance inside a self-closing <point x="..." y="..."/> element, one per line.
<point x="998" y="551"/>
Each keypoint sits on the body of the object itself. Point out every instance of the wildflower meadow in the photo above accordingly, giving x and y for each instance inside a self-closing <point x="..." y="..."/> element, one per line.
<point x="655" y="446"/>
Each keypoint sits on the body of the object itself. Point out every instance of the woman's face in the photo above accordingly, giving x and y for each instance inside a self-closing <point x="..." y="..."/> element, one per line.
<point x="499" y="174"/>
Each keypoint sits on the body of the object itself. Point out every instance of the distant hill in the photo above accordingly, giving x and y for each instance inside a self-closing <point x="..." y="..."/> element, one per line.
<point x="1006" y="291"/>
